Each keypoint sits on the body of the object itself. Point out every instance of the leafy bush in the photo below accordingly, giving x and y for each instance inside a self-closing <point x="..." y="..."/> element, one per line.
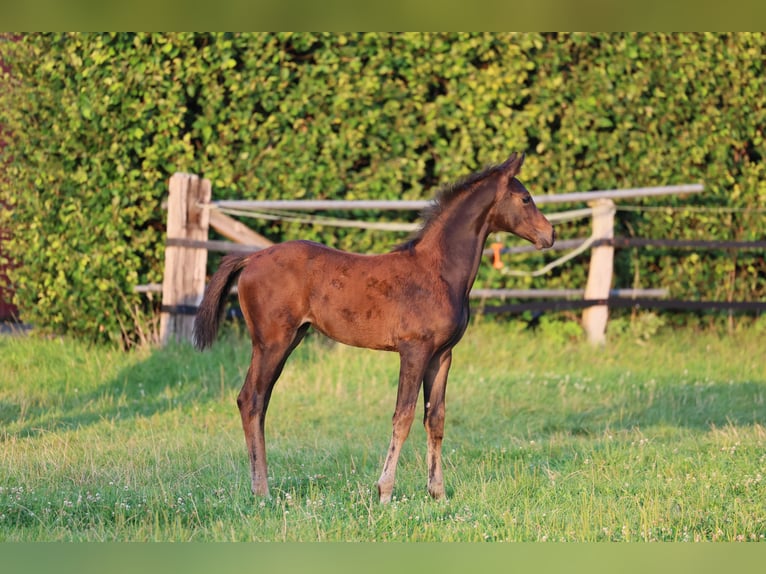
<point x="641" y="328"/>
<point x="98" y="122"/>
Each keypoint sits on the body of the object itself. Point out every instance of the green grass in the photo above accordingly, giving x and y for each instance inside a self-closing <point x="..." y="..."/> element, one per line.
<point x="546" y="439"/>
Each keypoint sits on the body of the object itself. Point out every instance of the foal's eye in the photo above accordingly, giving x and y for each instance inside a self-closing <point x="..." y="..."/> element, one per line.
<point x="527" y="199"/>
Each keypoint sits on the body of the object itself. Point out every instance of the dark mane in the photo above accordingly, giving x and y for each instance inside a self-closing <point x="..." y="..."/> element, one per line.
<point x="443" y="198"/>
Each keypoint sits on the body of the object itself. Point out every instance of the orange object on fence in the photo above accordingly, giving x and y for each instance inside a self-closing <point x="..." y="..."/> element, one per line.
<point x="496" y="262"/>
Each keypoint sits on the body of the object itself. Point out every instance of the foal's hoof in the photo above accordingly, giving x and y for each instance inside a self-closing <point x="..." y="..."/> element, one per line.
<point x="437" y="492"/>
<point x="384" y="497"/>
<point x="261" y="492"/>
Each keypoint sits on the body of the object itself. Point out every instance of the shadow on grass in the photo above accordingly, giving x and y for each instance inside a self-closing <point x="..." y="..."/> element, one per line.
<point x="680" y="405"/>
<point x="178" y="377"/>
<point x="174" y="377"/>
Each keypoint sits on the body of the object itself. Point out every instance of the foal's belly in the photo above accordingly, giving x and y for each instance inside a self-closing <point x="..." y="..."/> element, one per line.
<point x="383" y="314"/>
<point x="357" y="315"/>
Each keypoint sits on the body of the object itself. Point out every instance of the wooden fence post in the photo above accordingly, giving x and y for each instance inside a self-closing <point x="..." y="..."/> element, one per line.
<point x="600" y="272"/>
<point x="183" y="284"/>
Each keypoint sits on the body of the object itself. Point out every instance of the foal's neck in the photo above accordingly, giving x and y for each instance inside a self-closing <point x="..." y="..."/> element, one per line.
<point x="458" y="238"/>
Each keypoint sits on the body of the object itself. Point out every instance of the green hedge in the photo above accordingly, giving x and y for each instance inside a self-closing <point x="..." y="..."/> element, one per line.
<point x="98" y="122"/>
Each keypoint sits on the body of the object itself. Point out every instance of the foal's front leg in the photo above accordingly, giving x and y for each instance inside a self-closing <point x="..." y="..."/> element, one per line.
<point x="434" y="388"/>
<point x="410" y="377"/>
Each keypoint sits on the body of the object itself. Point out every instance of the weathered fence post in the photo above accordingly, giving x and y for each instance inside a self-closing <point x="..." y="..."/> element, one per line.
<point x="184" y="281"/>
<point x="600" y="272"/>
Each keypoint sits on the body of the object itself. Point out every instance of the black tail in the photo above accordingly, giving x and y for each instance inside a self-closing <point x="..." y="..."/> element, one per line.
<point x="213" y="304"/>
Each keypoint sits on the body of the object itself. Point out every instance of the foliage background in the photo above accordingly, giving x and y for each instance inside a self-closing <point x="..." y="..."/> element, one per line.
<point x="96" y="123"/>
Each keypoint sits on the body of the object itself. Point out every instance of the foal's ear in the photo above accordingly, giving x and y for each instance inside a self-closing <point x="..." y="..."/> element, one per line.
<point x="512" y="165"/>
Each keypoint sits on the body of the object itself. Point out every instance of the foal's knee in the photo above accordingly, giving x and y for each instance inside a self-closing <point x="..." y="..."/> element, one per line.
<point x="402" y="423"/>
<point x="243" y="398"/>
<point x="434" y="421"/>
<point x="247" y="405"/>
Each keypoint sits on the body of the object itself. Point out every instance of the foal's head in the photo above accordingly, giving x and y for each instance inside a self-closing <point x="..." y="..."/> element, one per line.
<point x="515" y="210"/>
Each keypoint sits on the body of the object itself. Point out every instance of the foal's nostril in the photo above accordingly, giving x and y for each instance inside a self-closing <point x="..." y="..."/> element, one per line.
<point x="548" y="241"/>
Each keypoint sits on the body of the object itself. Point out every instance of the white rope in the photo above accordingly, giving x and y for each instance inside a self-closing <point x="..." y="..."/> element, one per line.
<point x="319" y="220"/>
<point x="553" y="264"/>
<point x="562" y="216"/>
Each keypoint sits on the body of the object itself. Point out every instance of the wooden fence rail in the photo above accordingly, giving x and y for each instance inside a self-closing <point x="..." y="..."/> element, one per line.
<point x="191" y="213"/>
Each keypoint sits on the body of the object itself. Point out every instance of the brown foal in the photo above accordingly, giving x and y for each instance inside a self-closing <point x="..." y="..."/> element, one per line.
<point x="413" y="300"/>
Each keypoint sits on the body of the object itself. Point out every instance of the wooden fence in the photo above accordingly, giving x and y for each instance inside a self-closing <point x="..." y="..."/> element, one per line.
<point x="192" y="212"/>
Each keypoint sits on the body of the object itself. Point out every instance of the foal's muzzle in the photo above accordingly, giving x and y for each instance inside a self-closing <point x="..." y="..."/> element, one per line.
<point x="544" y="242"/>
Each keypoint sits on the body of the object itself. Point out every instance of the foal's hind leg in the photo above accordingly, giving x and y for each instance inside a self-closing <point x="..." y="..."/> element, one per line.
<point x="265" y="367"/>
<point x="411" y="371"/>
<point x="434" y="387"/>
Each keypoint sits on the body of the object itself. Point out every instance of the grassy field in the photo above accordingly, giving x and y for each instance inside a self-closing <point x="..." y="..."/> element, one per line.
<point x="546" y="439"/>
